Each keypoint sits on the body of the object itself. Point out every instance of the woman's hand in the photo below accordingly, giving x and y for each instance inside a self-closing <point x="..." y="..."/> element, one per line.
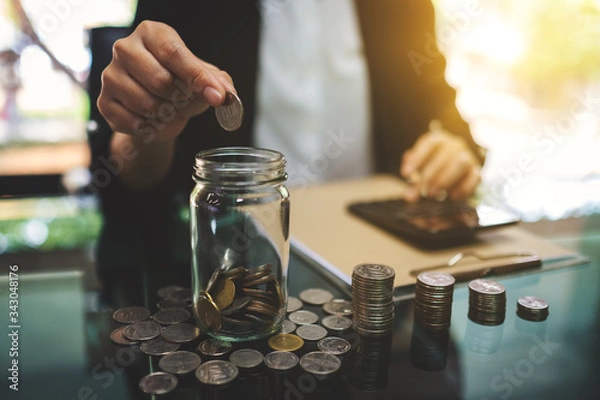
<point x="154" y="83"/>
<point x="440" y="165"/>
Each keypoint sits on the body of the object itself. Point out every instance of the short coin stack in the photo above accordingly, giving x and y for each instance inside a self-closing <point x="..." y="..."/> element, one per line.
<point x="487" y="302"/>
<point x="532" y="309"/>
<point x="433" y="299"/>
<point x="372" y="299"/>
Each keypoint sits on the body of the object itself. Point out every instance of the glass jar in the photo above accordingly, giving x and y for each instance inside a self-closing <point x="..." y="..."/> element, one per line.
<point x="239" y="213"/>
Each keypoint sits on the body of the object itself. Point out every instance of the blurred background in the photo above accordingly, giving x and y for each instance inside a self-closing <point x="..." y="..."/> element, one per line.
<point x="527" y="74"/>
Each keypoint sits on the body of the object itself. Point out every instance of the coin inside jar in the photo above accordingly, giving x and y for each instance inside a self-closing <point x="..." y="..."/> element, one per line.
<point x="180" y="362"/>
<point x="158" y="383"/>
<point x="208" y="313"/>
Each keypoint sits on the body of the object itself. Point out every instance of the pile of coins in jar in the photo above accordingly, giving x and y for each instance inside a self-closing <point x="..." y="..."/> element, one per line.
<point x="240" y="301"/>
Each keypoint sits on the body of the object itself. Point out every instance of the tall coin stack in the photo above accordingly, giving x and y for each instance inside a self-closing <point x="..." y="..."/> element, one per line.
<point x="487" y="302"/>
<point x="372" y="299"/>
<point x="433" y="299"/>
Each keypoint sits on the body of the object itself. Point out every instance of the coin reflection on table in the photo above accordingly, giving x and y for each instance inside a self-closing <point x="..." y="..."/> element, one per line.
<point x="429" y="348"/>
<point x="373" y="356"/>
<point x="483" y="339"/>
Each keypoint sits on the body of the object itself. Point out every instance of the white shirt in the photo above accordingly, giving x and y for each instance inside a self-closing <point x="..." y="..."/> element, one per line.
<point x="312" y="89"/>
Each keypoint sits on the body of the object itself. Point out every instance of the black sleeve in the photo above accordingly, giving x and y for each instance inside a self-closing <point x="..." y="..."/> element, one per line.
<point x="407" y="76"/>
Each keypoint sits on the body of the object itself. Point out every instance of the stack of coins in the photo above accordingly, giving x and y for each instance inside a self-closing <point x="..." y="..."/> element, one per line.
<point x="241" y="301"/>
<point x="487" y="302"/>
<point x="372" y="299"/>
<point x="433" y="299"/>
<point x="532" y="309"/>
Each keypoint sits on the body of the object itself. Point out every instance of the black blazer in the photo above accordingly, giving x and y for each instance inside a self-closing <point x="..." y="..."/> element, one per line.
<point x="407" y="83"/>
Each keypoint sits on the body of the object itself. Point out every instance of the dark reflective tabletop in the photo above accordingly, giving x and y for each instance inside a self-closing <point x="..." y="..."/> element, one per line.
<point x="64" y="350"/>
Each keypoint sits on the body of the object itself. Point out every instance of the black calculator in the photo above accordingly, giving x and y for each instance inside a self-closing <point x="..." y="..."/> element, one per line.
<point x="432" y="222"/>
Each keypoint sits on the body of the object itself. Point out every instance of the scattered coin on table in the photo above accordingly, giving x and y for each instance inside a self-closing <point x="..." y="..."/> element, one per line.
<point x="303" y="317"/>
<point x="158" y="383"/>
<point x="118" y="338"/>
<point x="144" y="330"/>
<point x="246" y="358"/>
<point x="336" y="323"/>
<point x="293" y="304"/>
<point x="181" y="333"/>
<point x="311" y="332"/>
<point x="214" y="347"/>
<point x="316" y="296"/>
<point x="281" y="360"/>
<point x="172" y="303"/>
<point x="338" y="307"/>
<point x="158" y="347"/>
<point x="231" y="113"/>
<point x="170" y="316"/>
<point x="320" y="363"/>
<point x="285" y="342"/>
<point x="216" y="372"/>
<point x="180" y="362"/>
<point x="130" y="315"/>
<point x="287" y="326"/>
<point x="182" y="294"/>
<point x="334" y="345"/>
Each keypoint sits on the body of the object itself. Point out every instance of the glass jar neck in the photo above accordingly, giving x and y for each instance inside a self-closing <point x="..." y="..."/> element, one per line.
<point x="240" y="166"/>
